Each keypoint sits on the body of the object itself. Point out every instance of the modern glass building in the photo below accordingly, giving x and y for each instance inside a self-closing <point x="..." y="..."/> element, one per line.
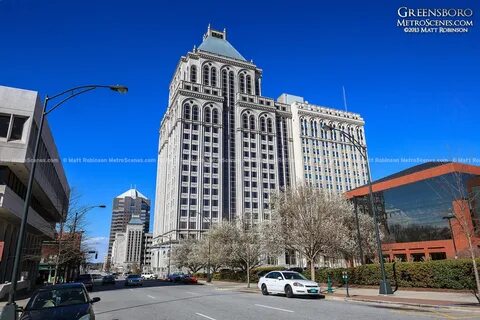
<point x="425" y="210"/>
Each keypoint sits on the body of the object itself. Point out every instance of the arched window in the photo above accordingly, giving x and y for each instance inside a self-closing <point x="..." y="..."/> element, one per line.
<point x="263" y="125"/>
<point x="245" y="121"/>
<point x="206" y="75"/>
<point x="207" y="116"/>
<point x="242" y="83"/>
<point x="252" y="122"/>
<point x="186" y="111"/>
<point x="195" y="113"/>
<point x="213" y="77"/>
<point x="193" y="74"/>
<point x="269" y="125"/>
<point x="215" y="116"/>
<point x="249" y="84"/>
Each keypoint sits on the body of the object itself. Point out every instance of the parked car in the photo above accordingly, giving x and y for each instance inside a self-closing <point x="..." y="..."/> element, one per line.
<point x="87" y="281"/>
<point x="147" y="276"/>
<point x="289" y="283"/>
<point x="134" y="280"/>
<point x="189" y="279"/>
<point x="58" y="302"/>
<point x="108" y="279"/>
<point x="97" y="279"/>
<point x="175" y="277"/>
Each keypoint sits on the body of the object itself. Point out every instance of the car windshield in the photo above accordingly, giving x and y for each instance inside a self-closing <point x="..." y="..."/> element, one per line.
<point x="45" y="299"/>
<point x="293" y="276"/>
<point x="133" y="276"/>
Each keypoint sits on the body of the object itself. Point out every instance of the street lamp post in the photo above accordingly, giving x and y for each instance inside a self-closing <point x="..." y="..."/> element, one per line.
<point x="9" y="311"/>
<point x="209" y="264"/>
<point x="449" y="218"/>
<point x="360" y="247"/>
<point x="384" y="285"/>
<point x="169" y="254"/>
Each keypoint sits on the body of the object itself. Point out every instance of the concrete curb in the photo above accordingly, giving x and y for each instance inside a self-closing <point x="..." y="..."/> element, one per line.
<point x="403" y="305"/>
<point x="392" y="304"/>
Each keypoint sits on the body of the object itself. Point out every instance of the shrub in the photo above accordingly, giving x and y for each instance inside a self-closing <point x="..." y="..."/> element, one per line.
<point x="448" y="274"/>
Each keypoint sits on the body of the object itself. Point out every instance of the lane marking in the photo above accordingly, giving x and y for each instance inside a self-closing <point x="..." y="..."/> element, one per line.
<point x="202" y="315"/>
<point x="150" y="296"/>
<point x="190" y="292"/>
<point x="279" y="309"/>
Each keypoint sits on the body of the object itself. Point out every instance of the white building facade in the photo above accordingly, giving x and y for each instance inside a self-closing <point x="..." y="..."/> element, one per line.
<point x="128" y="246"/>
<point x="20" y="114"/>
<point x="224" y="148"/>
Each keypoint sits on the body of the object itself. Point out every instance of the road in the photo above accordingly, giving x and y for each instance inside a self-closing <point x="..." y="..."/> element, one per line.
<point x="160" y="300"/>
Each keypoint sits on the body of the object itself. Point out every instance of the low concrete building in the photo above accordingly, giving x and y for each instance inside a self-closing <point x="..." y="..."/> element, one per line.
<point x="20" y="112"/>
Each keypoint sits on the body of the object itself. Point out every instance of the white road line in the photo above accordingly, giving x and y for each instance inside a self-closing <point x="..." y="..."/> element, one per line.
<point x="202" y="315"/>
<point x="150" y="296"/>
<point x="268" y="307"/>
<point x="190" y="292"/>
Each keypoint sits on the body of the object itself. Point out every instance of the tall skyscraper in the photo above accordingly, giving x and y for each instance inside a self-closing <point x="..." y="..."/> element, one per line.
<point x="128" y="204"/>
<point x="224" y="148"/>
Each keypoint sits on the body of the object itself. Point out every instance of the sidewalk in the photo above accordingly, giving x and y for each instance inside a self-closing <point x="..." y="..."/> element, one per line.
<point x="435" y="299"/>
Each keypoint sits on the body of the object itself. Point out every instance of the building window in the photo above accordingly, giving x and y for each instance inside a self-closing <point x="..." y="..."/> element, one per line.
<point x="195" y="113"/>
<point x="249" y="84"/>
<point x="193" y="74"/>
<point x="252" y="122"/>
<point x="186" y="111"/>
<point x="215" y="117"/>
<point x="4" y="124"/>
<point x="213" y="78"/>
<point x="242" y="83"/>
<point x="206" y="75"/>
<point x="245" y="121"/>
<point x="207" y="116"/>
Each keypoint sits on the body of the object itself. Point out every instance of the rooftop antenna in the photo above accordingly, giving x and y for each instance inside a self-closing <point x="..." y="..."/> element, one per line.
<point x="344" y="98"/>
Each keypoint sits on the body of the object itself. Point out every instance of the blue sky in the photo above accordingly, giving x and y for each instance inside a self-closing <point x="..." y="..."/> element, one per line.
<point x="418" y="93"/>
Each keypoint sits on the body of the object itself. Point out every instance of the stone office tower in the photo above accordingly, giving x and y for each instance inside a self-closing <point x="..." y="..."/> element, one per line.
<point x="128" y="204"/>
<point x="224" y="148"/>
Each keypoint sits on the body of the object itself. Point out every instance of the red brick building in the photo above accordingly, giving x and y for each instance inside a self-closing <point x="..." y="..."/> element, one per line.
<point x="422" y="209"/>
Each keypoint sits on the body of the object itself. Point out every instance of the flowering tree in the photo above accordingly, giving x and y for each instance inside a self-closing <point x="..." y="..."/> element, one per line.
<point x="187" y="254"/>
<point x="311" y="222"/>
<point x="244" y="245"/>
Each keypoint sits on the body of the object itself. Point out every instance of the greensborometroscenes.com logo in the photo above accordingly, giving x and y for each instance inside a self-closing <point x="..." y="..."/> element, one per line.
<point x="435" y="20"/>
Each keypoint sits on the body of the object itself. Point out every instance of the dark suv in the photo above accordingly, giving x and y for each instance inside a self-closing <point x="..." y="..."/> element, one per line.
<point x="87" y="280"/>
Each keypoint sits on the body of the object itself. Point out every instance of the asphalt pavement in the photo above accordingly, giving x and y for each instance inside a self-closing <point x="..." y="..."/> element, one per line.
<point x="161" y="300"/>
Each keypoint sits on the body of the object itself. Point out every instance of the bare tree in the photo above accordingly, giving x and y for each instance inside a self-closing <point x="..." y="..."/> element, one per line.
<point x="70" y="248"/>
<point x="187" y="254"/>
<point x="310" y="221"/>
<point x="464" y="197"/>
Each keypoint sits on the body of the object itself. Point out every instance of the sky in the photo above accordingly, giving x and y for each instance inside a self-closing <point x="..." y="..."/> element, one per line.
<point x="418" y="93"/>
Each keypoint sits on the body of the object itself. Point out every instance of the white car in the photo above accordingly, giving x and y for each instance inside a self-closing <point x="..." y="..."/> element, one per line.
<point x="147" y="276"/>
<point x="290" y="283"/>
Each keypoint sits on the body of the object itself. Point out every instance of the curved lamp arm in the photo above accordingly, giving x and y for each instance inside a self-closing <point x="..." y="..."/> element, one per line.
<point x="360" y="147"/>
<point x="73" y="92"/>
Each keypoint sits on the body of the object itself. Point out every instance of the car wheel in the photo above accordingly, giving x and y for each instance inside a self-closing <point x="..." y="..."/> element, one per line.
<point x="288" y="291"/>
<point x="264" y="290"/>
